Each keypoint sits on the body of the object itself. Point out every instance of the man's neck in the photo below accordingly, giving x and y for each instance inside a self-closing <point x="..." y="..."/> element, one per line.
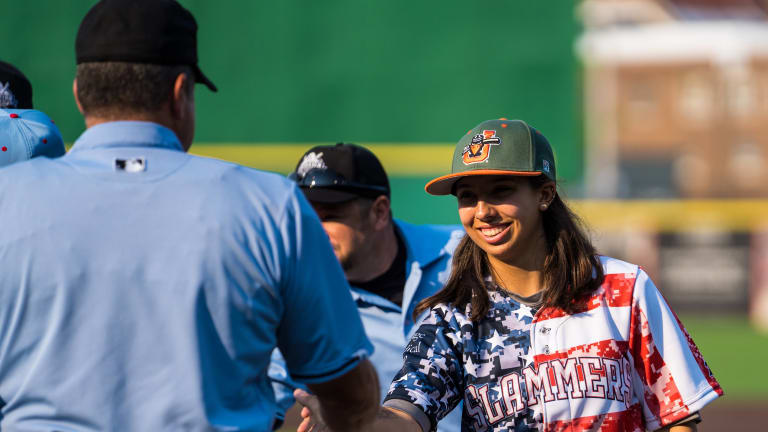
<point x="91" y="121"/>
<point x="157" y="118"/>
<point x="377" y="258"/>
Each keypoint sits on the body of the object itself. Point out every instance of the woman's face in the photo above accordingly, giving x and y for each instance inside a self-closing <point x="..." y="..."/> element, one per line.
<point x="502" y="214"/>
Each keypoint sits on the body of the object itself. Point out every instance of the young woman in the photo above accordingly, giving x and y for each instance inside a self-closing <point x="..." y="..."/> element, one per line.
<point x="533" y="330"/>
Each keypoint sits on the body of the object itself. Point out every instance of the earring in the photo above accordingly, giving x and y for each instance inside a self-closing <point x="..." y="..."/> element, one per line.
<point x="543" y="207"/>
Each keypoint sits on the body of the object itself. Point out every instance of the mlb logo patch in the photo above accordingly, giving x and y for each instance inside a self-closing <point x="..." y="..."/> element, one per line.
<point x="132" y="165"/>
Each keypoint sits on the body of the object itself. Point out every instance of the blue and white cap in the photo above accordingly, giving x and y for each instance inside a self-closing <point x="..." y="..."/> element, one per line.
<point x="27" y="133"/>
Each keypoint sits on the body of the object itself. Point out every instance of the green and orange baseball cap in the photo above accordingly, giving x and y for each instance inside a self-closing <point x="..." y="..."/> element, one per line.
<point x="498" y="147"/>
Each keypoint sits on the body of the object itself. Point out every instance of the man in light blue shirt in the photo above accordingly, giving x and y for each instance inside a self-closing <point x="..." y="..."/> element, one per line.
<point x="391" y="265"/>
<point x="142" y="288"/>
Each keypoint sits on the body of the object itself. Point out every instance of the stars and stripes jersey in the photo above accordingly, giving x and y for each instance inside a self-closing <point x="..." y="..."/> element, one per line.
<point x="623" y="363"/>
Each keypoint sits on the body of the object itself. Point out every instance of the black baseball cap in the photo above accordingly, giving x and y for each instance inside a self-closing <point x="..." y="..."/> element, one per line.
<point x="140" y="31"/>
<point x="15" y="88"/>
<point x="341" y="172"/>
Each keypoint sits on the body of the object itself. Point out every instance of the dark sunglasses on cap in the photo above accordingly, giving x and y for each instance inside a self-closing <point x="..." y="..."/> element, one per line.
<point x="326" y="178"/>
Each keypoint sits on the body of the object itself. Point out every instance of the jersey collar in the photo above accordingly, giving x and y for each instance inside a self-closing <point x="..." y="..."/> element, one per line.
<point x="127" y="134"/>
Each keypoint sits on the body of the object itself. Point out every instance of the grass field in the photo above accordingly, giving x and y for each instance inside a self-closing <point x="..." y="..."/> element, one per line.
<point x="734" y="352"/>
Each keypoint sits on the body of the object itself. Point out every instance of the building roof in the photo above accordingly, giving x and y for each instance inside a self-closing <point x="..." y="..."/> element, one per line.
<point x="695" y="10"/>
<point x="723" y="42"/>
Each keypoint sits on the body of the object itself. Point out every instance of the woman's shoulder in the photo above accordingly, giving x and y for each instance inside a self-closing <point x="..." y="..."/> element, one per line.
<point x="461" y="315"/>
<point x="614" y="266"/>
<point x="622" y="279"/>
<point x="455" y="316"/>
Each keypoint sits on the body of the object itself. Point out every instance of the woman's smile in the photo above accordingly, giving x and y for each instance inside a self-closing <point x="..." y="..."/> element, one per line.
<point x="494" y="233"/>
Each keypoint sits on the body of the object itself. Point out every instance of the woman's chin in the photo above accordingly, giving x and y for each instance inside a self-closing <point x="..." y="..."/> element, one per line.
<point x="501" y="251"/>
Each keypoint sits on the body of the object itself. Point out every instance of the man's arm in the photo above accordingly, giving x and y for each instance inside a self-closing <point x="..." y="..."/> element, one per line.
<point x="321" y="336"/>
<point x="349" y="402"/>
<point x="282" y="386"/>
<point x="386" y="420"/>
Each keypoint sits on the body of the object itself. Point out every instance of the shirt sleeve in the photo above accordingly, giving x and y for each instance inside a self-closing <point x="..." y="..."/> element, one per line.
<point x="282" y="384"/>
<point x="431" y="377"/>
<point x="320" y="335"/>
<point x="674" y="380"/>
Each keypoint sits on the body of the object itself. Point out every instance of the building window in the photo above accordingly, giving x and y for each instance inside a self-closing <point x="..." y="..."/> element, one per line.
<point x="696" y="98"/>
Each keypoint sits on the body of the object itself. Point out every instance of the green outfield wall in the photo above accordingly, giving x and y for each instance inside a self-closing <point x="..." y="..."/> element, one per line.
<point x="425" y="161"/>
<point x="390" y="71"/>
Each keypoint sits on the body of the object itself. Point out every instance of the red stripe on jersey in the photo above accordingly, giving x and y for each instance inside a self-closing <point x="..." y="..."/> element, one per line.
<point x="610" y="348"/>
<point x="697" y="355"/>
<point x="616" y="291"/>
<point x="662" y="397"/>
<point x="630" y="420"/>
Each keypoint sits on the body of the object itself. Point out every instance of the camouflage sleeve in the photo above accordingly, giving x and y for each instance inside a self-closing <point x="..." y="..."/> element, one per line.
<point x="431" y="377"/>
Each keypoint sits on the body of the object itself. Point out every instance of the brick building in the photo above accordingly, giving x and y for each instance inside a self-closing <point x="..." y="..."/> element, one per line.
<point x="676" y="98"/>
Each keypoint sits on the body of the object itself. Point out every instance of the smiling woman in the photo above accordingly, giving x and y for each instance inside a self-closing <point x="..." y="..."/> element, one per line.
<point x="520" y="234"/>
<point x="534" y="330"/>
<point x="524" y="237"/>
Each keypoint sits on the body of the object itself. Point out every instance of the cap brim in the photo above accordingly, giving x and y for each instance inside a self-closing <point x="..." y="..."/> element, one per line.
<point x="444" y="185"/>
<point x="202" y="79"/>
<point x="328" y="196"/>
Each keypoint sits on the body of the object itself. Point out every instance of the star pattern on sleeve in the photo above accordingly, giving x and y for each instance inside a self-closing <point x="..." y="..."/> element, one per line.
<point x="453" y="337"/>
<point x="496" y="341"/>
<point x="470" y="367"/>
<point x="523" y="311"/>
<point x="528" y="358"/>
<point x="457" y="353"/>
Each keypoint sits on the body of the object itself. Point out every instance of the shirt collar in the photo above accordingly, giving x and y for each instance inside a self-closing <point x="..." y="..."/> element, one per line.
<point x="127" y="134"/>
<point x="421" y="243"/>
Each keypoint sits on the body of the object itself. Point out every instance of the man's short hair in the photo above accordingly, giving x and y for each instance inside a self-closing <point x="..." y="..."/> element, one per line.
<point x="105" y="88"/>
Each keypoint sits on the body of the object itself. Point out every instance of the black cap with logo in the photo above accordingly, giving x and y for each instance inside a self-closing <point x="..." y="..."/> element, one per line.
<point x="140" y="31"/>
<point x="341" y="172"/>
<point x="15" y="89"/>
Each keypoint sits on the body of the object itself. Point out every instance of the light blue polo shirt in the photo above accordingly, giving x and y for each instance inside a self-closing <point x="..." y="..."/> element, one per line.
<point x="143" y="289"/>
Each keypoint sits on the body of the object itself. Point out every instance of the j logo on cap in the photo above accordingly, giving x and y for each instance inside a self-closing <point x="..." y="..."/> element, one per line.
<point x="480" y="147"/>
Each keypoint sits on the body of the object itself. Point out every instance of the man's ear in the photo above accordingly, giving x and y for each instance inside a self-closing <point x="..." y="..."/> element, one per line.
<point x="182" y="95"/>
<point x="381" y="212"/>
<point x="77" y="99"/>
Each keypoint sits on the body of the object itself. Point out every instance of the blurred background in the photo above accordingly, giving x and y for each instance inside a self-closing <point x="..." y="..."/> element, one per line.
<point x="657" y="110"/>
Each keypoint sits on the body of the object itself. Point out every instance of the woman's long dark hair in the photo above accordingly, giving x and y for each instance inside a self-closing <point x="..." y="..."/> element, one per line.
<point x="571" y="271"/>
